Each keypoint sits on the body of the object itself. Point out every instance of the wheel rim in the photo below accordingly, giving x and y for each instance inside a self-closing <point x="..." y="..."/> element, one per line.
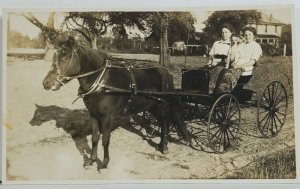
<point x="272" y="109"/>
<point x="223" y="123"/>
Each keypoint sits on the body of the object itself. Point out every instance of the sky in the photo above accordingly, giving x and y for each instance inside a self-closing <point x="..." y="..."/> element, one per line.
<point x="19" y="23"/>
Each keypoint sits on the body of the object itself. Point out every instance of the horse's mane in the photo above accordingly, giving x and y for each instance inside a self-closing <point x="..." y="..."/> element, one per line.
<point x="92" y="56"/>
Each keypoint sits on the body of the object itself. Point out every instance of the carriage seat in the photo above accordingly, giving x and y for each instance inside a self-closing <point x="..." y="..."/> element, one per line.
<point x="191" y="77"/>
<point x="190" y="80"/>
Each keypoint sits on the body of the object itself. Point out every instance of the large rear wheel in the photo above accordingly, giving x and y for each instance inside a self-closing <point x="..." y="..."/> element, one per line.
<point x="272" y="109"/>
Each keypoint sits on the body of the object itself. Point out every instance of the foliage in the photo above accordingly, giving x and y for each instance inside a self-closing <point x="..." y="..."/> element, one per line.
<point x="237" y="18"/>
<point x="180" y="26"/>
<point x="286" y="36"/>
<point x="92" y="25"/>
<point x="88" y="22"/>
<point x="18" y="40"/>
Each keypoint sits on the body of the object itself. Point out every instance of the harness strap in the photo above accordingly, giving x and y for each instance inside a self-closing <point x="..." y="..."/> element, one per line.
<point x="100" y="85"/>
<point x="133" y="83"/>
<point x="81" y="75"/>
<point x="97" y="85"/>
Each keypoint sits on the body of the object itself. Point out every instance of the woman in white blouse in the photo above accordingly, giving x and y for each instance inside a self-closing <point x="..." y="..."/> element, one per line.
<point x="219" y="50"/>
<point x="253" y="52"/>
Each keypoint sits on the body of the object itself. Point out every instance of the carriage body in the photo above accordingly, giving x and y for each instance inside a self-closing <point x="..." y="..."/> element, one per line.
<point x="221" y="112"/>
<point x="197" y="81"/>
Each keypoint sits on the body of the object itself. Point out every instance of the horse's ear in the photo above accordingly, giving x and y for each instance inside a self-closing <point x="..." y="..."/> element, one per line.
<point x="36" y="105"/>
<point x="71" y="42"/>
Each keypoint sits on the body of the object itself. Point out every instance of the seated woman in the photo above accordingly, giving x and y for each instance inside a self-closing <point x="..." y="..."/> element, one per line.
<point x="244" y="65"/>
<point x="218" y="54"/>
<point x="219" y="50"/>
<point x="253" y="52"/>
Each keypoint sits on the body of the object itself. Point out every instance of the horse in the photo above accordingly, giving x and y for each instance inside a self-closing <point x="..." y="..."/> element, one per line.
<point x="95" y="76"/>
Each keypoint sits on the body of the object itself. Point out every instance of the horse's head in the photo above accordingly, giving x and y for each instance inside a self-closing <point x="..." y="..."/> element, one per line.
<point x="65" y="63"/>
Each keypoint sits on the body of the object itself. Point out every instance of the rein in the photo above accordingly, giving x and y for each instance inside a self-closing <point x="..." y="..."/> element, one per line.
<point x="61" y="77"/>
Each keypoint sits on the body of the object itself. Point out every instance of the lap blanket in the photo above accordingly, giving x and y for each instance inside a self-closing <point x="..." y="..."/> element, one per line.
<point x="223" y="80"/>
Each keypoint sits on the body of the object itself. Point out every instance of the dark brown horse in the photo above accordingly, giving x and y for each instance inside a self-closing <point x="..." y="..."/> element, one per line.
<point x="95" y="77"/>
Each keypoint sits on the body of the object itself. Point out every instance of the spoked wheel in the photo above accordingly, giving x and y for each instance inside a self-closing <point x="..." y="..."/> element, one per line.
<point x="272" y="109"/>
<point x="223" y="123"/>
<point x="151" y="125"/>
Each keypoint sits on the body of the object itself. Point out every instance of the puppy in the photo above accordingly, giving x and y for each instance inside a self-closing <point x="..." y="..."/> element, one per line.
<point x="236" y="51"/>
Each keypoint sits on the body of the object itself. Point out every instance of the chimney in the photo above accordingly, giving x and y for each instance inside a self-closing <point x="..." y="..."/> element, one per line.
<point x="271" y="16"/>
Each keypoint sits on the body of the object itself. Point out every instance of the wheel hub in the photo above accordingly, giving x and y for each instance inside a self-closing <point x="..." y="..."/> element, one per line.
<point x="224" y="125"/>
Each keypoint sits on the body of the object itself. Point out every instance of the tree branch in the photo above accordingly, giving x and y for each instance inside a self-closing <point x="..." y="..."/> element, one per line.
<point x="79" y="31"/>
<point x="46" y="31"/>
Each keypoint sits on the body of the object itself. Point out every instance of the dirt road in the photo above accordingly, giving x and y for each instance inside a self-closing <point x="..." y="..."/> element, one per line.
<point x="56" y="149"/>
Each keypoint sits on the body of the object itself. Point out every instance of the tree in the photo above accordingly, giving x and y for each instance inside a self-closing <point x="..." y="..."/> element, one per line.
<point x="168" y="27"/>
<point x="48" y="31"/>
<point x="92" y="25"/>
<point x="180" y="26"/>
<point x="286" y="36"/>
<point x="237" y="18"/>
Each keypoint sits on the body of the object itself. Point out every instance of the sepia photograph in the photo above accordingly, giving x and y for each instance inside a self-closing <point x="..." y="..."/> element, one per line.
<point x="182" y="95"/>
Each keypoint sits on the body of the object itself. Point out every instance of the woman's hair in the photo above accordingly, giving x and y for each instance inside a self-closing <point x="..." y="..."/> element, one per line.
<point x="229" y="27"/>
<point x="253" y="30"/>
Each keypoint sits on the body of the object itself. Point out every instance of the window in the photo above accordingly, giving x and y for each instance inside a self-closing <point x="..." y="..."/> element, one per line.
<point x="271" y="41"/>
<point x="266" y="28"/>
<point x="264" y="41"/>
<point x="275" y="29"/>
<point x="258" y="40"/>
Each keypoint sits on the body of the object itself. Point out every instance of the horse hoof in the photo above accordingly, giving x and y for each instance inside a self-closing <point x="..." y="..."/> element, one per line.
<point x="88" y="163"/>
<point x="163" y="150"/>
<point x="105" y="163"/>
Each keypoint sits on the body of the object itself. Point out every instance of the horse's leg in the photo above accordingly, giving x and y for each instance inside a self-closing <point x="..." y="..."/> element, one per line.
<point x="95" y="140"/>
<point x="164" y="136"/>
<point x="106" y="123"/>
<point x="176" y="111"/>
<point x="159" y="112"/>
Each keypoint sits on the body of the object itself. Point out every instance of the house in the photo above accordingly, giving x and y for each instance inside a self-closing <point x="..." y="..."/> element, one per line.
<point x="268" y="29"/>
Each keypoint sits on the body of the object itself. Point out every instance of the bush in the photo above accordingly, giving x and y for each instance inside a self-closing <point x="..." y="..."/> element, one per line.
<point x="271" y="50"/>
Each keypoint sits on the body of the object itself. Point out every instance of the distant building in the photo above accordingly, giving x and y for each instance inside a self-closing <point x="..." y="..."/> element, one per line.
<point x="268" y="30"/>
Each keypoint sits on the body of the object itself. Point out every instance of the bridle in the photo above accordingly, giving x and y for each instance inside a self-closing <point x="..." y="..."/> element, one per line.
<point x="62" y="76"/>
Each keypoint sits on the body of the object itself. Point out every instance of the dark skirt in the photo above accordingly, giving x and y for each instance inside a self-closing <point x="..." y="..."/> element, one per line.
<point x="223" y="80"/>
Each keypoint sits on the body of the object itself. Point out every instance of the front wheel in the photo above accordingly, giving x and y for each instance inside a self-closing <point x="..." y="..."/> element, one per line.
<point x="223" y="123"/>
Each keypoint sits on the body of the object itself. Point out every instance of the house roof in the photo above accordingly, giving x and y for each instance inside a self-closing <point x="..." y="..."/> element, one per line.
<point x="269" y="19"/>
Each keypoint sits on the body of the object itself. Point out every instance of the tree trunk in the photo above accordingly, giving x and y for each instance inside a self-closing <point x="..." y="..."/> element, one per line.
<point x="51" y="19"/>
<point x="94" y="42"/>
<point x="48" y="30"/>
<point x="164" y="55"/>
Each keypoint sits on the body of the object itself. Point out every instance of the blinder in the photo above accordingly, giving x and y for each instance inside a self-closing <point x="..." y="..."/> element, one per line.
<point x="62" y="76"/>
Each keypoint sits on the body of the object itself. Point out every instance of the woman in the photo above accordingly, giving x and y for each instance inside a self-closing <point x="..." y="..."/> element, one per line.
<point x="219" y="50"/>
<point x="218" y="55"/>
<point x="229" y="78"/>
<point x="253" y="52"/>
